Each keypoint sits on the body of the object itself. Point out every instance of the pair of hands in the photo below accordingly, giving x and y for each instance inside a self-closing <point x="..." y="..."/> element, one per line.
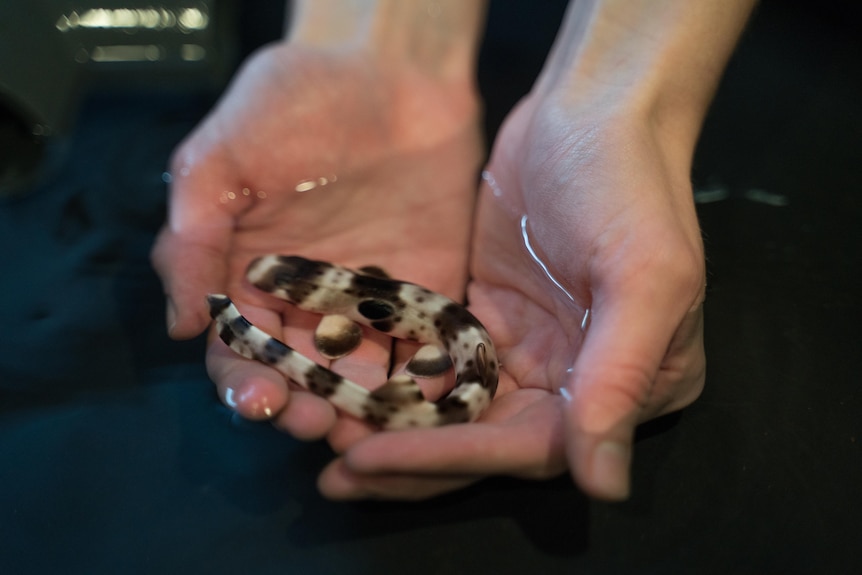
<point x="605" y="212"/>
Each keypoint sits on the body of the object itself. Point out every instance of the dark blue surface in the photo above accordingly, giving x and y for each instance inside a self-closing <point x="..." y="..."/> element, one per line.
<point x="116" y="456"/>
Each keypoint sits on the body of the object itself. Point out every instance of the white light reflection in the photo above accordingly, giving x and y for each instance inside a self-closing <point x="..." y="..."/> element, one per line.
<point x="585" y="322"/>
<point x="192" y="52"/>
<point x="229" y="399"/>
<point x="185" y="19"/>
<point x="492" y="183"/>
<point x="127" y="53"/>
<point x="526" y="236"/>
<point x="192" y="19"/>
<point x="310" y="184"/>
<point x="306" y="185"/>
<point x="766" y="197"/>
<point x="228" y="196"/>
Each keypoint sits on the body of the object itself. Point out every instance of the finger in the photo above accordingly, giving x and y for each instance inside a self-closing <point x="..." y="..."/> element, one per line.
<point x="253" y="390"/>
<point x="527" y="444"/>
<point x="190" y="253"/>
<point x="610" y="387"/>
<point x="258" y="392"/>
<point x="338" y="482"/>
<point x="306" y="417"/>
<point x="367" y="366"/>
<point x="188" y="272"/>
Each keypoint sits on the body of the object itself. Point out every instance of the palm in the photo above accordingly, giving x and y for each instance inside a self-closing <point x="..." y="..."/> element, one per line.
<point x="331" y="158"/>
<point x="535" y="208"/>
<point x="616" y="243"/>
<point x="344" y="136"/>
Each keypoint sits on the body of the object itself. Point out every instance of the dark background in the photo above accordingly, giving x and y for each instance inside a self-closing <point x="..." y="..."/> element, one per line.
<point x="116" y="457"/>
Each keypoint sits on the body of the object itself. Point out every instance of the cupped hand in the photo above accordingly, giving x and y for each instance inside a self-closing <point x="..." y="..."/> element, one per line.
<point x="579" y="211"/>
<point x="329" y="155"/>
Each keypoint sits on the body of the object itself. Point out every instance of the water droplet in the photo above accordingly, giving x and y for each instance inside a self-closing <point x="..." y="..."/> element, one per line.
<point x="525" y="234"/>
<point x="512" y="206"/>
<point x="492" y="183"/>
<point x="306" y="185"/>
<point x="585" y="321"/>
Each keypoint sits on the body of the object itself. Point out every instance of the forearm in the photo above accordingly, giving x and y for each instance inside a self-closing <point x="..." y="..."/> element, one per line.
<point x="440" y="37"/>
<point x="661" y="59"/>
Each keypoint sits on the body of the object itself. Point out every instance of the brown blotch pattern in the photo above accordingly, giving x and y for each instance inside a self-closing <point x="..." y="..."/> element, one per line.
<point x="453" y="410"/>
<point x="383" y="305"/>
<point x="322" y="381"/>
<point x="295" y="275"/>
<point x="385" y="325"/>
<point x="343" y="344"/>
<point x="273" y="352"/>
<point x="429" y="367"/>
<point x="340" y="343"/>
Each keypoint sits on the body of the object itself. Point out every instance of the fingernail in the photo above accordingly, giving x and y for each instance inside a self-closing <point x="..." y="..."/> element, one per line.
<point x="249" y="400"/>
<point x="170" y="316"/>
<point x="610" y="470"/>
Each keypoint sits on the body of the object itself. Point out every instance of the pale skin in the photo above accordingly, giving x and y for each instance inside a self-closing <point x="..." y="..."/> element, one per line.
<point x="597" y="157"/>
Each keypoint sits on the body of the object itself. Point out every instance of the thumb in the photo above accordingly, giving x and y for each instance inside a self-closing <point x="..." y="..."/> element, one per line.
<point x="191" y="251"/>
<point x="609" y="388"/>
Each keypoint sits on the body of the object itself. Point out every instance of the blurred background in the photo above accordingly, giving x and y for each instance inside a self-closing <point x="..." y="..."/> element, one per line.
<point x="54" y="53"/>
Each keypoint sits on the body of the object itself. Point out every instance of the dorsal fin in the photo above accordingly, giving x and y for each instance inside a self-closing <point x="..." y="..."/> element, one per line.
<point x="374" y="271"/>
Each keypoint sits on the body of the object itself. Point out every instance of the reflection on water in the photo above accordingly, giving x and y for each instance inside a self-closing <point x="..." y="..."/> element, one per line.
<point x="302" y="186"/>
<point x="228" y="195"/>
<point x="499" y="195"/>
<point x="525" y="235"/>
<point x="310" y="184"/>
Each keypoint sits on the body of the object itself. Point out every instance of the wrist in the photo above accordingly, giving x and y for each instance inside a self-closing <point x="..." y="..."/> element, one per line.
<point x="651" y="61"/>
<point x="436" y="38"/>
